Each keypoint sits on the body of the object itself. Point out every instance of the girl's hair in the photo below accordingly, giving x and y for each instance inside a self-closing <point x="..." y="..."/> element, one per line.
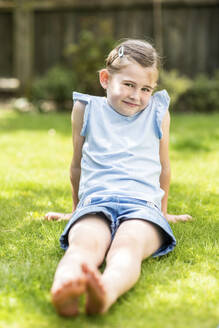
<point x="138" y="50"/>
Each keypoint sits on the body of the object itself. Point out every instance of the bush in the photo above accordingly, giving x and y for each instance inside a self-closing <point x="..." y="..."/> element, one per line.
<point x="56" y="85"/>
<point x="175" y="85"/>
<point x="88" y="57"/>
<point x="202" y="96"/>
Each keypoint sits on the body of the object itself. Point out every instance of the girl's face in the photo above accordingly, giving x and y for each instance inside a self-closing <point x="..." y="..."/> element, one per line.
<point x="129" y="90"/>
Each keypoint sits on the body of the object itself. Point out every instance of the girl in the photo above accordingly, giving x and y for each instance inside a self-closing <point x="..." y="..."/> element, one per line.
<point x="120" y="175"/>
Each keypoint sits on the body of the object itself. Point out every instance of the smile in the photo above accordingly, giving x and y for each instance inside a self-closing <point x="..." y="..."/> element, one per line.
<point x="130" y="104"/>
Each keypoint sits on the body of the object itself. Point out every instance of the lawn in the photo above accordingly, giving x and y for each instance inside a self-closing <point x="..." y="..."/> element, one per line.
<point x="179" y="290"/>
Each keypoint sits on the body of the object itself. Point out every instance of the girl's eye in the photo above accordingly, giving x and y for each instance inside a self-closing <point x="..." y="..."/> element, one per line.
<point x="129" y="85"/>
<point x="146" y="90"/>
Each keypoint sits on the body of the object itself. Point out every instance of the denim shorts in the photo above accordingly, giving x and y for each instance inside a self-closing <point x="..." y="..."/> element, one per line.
<point x="119" y="209"/>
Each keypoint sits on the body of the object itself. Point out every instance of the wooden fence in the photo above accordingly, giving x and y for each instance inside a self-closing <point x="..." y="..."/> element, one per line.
<point x="34" y="34"/>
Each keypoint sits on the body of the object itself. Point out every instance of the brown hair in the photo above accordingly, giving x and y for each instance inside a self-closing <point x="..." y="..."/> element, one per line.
<point x="138" y="50"/>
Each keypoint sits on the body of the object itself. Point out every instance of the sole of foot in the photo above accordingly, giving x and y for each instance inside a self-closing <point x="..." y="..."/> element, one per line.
<point x="65" y="298"/>
<point x="96" y="295"/>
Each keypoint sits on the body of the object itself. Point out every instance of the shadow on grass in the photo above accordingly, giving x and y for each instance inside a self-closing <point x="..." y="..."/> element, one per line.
<point x="188" y="145"/>
<point x="36" y="122"/>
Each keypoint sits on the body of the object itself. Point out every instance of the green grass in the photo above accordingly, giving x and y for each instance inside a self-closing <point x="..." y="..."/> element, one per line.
<point x="177" y="290"/>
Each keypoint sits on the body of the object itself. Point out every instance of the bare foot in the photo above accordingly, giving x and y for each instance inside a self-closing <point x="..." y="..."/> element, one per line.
<point x="65" y="297"/>
<point x="177" y="218"/>
<point x="96" y="294"/>
<point x="54" y="216"/>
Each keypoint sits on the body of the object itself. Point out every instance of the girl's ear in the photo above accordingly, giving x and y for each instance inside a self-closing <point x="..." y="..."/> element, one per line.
<point x="104" y="77"/>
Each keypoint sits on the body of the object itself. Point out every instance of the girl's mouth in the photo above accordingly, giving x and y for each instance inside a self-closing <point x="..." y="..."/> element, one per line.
<point x="130" y="104"/>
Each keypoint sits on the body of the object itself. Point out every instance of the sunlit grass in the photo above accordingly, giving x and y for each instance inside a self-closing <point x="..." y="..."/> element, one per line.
<point x="177" y="290"/>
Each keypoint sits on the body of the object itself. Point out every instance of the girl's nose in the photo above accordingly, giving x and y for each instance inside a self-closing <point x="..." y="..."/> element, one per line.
<point x="135" y="95"/>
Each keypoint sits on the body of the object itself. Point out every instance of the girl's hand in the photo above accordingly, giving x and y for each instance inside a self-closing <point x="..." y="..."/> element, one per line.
<point x="177" y="218"/>
<point x="54" y="216"/>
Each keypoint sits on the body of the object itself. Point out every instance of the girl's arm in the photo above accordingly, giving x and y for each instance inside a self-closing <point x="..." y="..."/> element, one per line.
<point x="165" y="162"/>
<point x="75" y="168"/>
<point x="78" y="141"/>
<point x="166" y="172"/>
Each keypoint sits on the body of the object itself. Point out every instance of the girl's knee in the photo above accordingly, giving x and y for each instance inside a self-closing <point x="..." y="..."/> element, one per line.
<point x="90" y="233"/>
<point x="126" y="240"/>
<point x="139" y="237"/>
<point x="126" y="244"/>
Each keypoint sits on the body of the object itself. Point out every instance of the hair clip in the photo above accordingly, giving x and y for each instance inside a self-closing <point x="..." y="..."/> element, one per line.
<point x="121" y="52"/>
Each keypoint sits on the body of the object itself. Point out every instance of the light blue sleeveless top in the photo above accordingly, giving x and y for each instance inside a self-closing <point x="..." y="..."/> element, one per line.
<point x="120" y="154"/>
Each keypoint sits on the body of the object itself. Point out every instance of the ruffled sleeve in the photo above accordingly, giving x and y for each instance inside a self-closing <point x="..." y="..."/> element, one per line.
<point x="161" y="102"/>
<point x="86" y="99"/>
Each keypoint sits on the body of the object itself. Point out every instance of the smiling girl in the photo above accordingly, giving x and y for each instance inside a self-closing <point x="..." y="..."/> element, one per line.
<point x="120" y="175"/>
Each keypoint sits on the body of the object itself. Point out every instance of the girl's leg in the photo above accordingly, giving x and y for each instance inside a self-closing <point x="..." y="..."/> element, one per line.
<point x="134" y="241"/>
<point x="89" y="239"/>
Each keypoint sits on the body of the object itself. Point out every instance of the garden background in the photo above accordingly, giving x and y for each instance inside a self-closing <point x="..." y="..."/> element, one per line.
<point x="50" y="48"/>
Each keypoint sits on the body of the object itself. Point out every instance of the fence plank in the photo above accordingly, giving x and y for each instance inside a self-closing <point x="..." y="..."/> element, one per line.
<point x="6" y="42"/>
<point x="23" y="45"/>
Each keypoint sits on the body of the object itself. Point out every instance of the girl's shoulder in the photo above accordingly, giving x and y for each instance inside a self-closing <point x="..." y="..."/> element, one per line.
<point x="86" y="98"/>
<point x="160" y="104"/>
<point x="161" y="98"/>
<point x="91" y="104"/>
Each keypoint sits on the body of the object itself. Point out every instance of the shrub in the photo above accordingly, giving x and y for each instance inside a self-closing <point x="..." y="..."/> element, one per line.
<point x="202" y="96"/>
<point x="88" y="57"/>
<point x="57" y="85"/>
<point x="175" y="85"/>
